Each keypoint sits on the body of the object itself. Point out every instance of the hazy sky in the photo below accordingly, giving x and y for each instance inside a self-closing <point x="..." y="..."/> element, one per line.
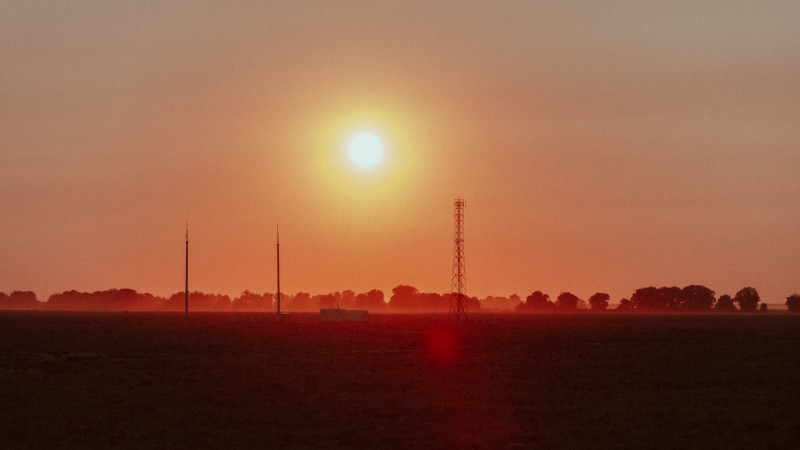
<point x="600" y="146"/>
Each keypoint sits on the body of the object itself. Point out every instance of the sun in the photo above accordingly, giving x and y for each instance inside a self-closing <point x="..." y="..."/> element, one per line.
<point x="365" y="150"/>
<point x="364" y="155"/>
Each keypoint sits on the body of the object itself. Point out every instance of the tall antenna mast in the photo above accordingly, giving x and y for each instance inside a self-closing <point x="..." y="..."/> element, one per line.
<point x="278" y="250"/>
<point x="458" y="288"/>
<point x="186" y="290"/>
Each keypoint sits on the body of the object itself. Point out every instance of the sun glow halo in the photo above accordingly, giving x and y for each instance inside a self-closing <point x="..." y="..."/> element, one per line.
<point x="364" y="156"/>
<point x="365" y="150"/>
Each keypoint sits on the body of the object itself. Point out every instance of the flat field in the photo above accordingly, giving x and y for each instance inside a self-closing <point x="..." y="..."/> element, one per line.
<point x="566" y="381"/>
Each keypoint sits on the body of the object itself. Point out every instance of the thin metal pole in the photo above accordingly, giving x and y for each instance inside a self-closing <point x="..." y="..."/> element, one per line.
<point x="186" y="291"/>
<point x="278" y="251"/>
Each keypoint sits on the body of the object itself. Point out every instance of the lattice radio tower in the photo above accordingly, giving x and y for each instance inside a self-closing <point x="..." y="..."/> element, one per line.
<point x="458" y="288"/>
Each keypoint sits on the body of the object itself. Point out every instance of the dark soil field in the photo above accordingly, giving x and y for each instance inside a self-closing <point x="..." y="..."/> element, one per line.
<point x="542" y="381"/>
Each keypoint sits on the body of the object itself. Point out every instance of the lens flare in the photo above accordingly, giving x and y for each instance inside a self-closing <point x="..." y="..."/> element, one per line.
<point x="443" y="345"/>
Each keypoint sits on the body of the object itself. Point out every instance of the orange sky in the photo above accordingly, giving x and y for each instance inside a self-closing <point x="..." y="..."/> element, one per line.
<point x="599" y="148"/>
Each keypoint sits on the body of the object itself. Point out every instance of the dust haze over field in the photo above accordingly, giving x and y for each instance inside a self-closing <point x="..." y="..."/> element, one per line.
<point x="76" y="379"/>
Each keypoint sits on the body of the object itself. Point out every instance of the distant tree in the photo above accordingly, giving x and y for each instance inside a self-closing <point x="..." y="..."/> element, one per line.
<point x="696" y="298"/>
<point x="200" y="301"/>
<point x="492" y="302"/>
<point x="625" y="305"/>
<point x="372" y="301"/>
<point x="67" y="300"/>
<point x="325" y="301"/>
<point x="793" y="303"/>
<point x="111" y="299"/>
<point x="747" y="298"/>
<point x="175" y="302"/>
<point x="473" y="304"/>
<point x="19" y="300"/>
<point x="286" y="300"/>
<point x="670" y="297"/>
<point x="725" y="303"/>
<point x="404" y="298"/>
<point x="537" y="301"/>
<point x="151" y="302"/>
<point x="656" y="299"/>
<point x="599" y="301"/>
<point x="433" y="302"/>
<point x="251" y="301"/>
<point x="500" y="303"/>
<point x="567" y="301"/>
<point x="644" y="298"/>
<point x="301" y="302"/>
<point x="348" y="299"/>
<point x="361" y="301"/>
<point x="221" y="302"/>
<point x="375" y="299"/>
<point x="123" y="299"/>
<point x="763" y="307"/>
<point x="24" y="297"/>
<point x="108" y="300"/>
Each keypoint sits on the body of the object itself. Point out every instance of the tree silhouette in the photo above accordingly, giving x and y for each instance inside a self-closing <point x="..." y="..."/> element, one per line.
<point x="625" y="305"/>
<point x="19" y="300"/>
<point x="372" y="300"/>
<point x="404" y="297"/>
<point x="793" y="303"/>
<point x="326" y="301"/>
<point x="599" y="301"/>
<point x="501" y="303"/>
<point x="725" y="303"/>
<point x="567" y="301"/>
<point x="65" y="300"/>
<point x="301" y="302"/>
<point x="429" y="301"/>
<point x="656" y="299"/>
<point x="250" y="301"/>
<point x="199" y="301"/>
<point x="108" y="300"/>
<point x="696" y="298"/>
<point x="747" y="298"/>
<point x="348" y="299"/>
<point x="537" y="301"/>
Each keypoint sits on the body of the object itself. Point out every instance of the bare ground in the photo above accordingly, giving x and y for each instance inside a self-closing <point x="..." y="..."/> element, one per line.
<point x="552" y="381"/>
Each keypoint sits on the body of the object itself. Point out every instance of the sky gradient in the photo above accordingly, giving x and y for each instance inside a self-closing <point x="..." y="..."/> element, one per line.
<point x="599" y="147"/>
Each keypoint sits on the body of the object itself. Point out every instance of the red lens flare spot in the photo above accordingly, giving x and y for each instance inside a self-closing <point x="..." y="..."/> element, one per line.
<point x="443" y="345"/>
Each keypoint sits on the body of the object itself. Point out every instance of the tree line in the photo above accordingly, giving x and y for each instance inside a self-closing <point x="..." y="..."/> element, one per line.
<point x="131" y="300"/>
<point x="692" y="298"/>
<point x="404" y="298"/>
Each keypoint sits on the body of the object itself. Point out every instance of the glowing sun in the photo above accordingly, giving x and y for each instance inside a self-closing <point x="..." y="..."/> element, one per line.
<point x="365" y="150"/>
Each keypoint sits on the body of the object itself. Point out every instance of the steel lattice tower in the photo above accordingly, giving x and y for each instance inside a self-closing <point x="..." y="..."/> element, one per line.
<point x="458" y="288"/>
